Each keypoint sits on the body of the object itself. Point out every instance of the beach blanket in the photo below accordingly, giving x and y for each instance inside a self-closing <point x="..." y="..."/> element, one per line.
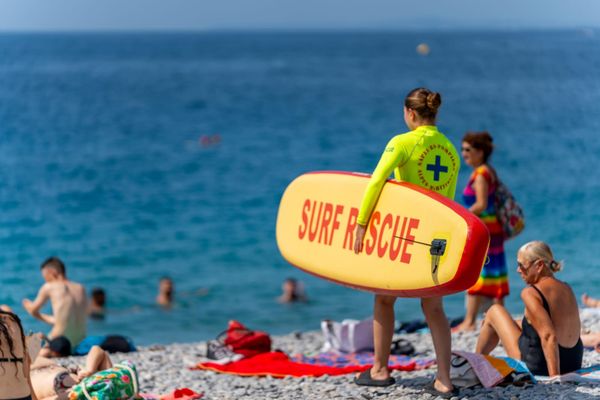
<point x="491" y="371"/>
<point x="279" y="365"/>
<point x="362" y="359"/>
<point x="110" y="343"/>
<point x="590" y="375"/>
<point x="519" y="367"/>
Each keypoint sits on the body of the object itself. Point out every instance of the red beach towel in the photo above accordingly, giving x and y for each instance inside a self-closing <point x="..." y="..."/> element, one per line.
<point x="279" y="365"/>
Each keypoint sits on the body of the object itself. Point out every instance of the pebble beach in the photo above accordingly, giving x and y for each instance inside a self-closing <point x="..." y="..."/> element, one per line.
<point x="149" y="153"/>
<point x="163" y="368"/>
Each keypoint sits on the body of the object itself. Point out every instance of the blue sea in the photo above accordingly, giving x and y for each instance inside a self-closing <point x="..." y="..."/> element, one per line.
<point x="104" y="160"/>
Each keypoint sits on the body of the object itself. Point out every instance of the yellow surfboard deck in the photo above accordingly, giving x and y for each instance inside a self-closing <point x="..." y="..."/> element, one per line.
<point x="418" y="243"/>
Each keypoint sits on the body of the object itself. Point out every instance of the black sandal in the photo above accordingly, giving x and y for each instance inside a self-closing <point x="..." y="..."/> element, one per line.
<point x="364" y="379"/>
<point x="430" y="389"/>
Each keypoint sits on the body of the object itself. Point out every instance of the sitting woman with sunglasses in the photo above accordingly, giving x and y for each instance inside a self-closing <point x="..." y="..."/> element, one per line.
<point x="547" y="339"/>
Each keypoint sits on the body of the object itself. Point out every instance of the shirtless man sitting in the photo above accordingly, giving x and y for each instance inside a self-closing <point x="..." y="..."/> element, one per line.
<point x="69" y="308"/>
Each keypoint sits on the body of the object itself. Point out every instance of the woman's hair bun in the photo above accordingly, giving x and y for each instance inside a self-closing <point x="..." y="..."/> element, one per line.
<point x="424" y="102"/>
<point x="434" y="101"/>
<point x="555" y="266"/>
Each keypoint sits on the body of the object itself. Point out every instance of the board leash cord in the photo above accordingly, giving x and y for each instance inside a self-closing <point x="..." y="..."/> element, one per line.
<point x="437" y="248"/>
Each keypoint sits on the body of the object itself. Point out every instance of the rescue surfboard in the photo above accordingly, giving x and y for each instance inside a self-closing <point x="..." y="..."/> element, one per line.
<point x="418" y="243"/>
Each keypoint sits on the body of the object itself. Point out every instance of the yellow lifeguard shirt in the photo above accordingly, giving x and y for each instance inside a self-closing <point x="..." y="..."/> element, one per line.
<point x="423" y="156"/>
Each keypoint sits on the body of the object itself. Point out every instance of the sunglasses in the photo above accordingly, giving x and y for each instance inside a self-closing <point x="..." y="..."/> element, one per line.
<point x="522" y="267"/>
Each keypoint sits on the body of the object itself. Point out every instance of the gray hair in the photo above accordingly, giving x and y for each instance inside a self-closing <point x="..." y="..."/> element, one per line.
<point x="538" y="250"/>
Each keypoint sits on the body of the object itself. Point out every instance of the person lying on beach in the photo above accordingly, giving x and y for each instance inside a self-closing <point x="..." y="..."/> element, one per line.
<point x="69" y="305"/>
<point x="96" y="308"/>
<point x="15" y="362"/>
<point x="547" y="339"/>
<point x="292" y="291"/>
<point x="53" y="381"/>
<point x="590" y="301"/>
<point x="591" y="340"/>
<point x="166" y="292"/>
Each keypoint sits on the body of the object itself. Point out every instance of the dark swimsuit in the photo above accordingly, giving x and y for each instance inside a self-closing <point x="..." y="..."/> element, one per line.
<point x="18" y="359"/>
<point x="532" y="353"/>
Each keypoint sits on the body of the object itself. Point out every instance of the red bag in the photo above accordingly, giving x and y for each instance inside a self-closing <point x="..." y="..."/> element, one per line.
<point x="244" y="341"/>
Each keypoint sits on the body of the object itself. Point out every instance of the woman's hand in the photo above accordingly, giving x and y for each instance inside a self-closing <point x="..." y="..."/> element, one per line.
<point x="360" y="236"/>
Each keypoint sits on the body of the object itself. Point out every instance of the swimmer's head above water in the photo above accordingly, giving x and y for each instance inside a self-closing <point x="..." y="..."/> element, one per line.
<point x="166" y="291"/>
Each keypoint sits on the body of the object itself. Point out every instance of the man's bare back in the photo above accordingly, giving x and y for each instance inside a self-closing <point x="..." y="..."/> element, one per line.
<point x="69" y="310"/>
<point x="68" y="300"/>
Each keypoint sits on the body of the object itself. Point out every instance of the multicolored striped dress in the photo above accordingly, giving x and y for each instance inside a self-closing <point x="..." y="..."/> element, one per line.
<point x="493" y="281"/>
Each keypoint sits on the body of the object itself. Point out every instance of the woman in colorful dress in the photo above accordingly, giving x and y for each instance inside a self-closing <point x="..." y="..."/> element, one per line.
<point x="478" y="196"/>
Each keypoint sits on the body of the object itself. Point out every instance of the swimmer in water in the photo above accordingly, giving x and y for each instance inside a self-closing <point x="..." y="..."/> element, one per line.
<point x="292" y="292"/>
<point x="166" y="292"/>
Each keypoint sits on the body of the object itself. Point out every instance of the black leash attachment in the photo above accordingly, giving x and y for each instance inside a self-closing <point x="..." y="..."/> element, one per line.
<point x="437" y="248"/>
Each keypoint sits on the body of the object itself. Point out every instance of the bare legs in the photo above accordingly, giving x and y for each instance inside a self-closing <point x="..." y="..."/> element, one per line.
<point x="474" y="304"/>
<point x="97" y="360"/>
<point x="591" y="340"/>
<point x="383" y="331"/>
<point x="472" y="309"/>
<point x="433" y="308"/>
<point x="499" y="326"/>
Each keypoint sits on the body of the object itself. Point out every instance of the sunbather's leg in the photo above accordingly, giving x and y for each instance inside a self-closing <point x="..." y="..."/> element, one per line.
<point x="591" y="340"/>
<point x="97" y="360"/>
<point x="499" y="326"/>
